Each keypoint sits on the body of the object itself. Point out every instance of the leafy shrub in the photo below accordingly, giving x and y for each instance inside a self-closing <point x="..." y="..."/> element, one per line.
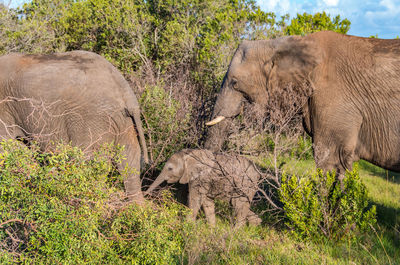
<point x="316" y="207"/>
<point x="166" y="123"/>
<point x="116" y="29"/>
<point x="61" y="207"/>
<point x="54" y="201"/>
<point x="308" y="23"/>
<point x="156" y="234"/>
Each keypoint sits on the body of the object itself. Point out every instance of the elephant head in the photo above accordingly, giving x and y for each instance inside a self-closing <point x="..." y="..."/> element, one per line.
<point x="183" y="167"/>
<point x="259" y="71"/>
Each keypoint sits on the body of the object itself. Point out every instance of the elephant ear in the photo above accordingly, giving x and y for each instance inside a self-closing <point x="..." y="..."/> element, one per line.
<point x="290" y="69"/>
<point x="197" y="163"/>
<point x="187" y="167"/>
<point x="186" y="174"/>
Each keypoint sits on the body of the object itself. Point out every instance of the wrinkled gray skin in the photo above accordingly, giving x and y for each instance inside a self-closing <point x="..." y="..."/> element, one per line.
<point x="75" y="97"/>
<point x="230" y="178"/>
<point x="352" y="109"/>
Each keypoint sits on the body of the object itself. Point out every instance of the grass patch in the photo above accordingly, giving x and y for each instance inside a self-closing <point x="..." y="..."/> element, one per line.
<point x="382" y="246"/>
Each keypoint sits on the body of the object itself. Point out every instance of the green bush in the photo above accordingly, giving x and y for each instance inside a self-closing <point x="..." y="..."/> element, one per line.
<point x="116" y="29"/>
<point x="62" y="207"/>
<point x="166" y="123"/>
<point x="170" y="34"/>
<point x="308" y="23"/>
<point x="317" y="207"/>
<point x="154" y="234"/>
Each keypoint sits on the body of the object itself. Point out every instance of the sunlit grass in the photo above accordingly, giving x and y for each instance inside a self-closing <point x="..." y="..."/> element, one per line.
<point x="381" y="246"/>
<point x="268" y="244"/>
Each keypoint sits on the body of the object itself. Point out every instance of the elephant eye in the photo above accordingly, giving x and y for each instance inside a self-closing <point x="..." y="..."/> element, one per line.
<point x="234" y="84"/>
<point x="170" y="168"/>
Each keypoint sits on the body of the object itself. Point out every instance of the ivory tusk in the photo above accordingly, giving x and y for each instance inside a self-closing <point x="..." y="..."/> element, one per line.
<point x="215" y="121"/>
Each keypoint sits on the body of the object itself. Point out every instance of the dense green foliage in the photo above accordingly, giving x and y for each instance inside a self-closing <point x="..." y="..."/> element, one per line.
<point x="134" y="33"/>
<point x="307" y="23"/>
<point x="163" y="122"/>
<point x="317" y="207"/>
<point x="62" y="207"/>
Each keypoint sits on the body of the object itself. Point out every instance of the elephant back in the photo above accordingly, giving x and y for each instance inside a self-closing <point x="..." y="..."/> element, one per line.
<point x="238" y="174"/>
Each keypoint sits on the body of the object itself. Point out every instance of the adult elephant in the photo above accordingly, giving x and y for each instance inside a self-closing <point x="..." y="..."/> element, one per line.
<point x="351" y="86"/>
<point x="75" y="97"/>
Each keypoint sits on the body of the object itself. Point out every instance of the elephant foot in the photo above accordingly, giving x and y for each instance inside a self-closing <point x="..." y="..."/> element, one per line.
<point x="191" y="217"/>
<point x="211" y="223"/>
<point x="137" y="198"/>
<point x="240" y="224"/>
<point x="254" y="220"/>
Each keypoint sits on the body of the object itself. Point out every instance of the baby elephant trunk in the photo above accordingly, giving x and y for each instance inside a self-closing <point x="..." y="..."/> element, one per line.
<point x="160" y="179"/>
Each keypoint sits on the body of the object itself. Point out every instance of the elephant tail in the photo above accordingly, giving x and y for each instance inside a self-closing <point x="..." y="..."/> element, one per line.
<point x="135" y="114"/>
<point x="132" y="109"/>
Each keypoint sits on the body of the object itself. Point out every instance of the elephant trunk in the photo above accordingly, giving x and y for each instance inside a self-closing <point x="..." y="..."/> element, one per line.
<point x="216" y="136"/>
<point x="160" y="179"/>
<point x="228" y="105"/>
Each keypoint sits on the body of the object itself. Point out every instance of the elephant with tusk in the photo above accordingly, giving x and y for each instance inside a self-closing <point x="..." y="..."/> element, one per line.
<point x="349" y="91"/>
<point x="215" y="120"/>
<point x="210" y="176"/>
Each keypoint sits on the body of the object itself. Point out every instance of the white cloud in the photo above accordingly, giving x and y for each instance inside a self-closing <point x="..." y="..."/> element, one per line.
<point x="280" y="7"/>
<point x="331" y="2"/>
<point x="384" y="18"/>
<point x="367" y="17"/>
<point x="387" y="3"/>
<point x="387" y="9"/>
<point x="285" y="5"/>
<point x="13" y="3"/>
<point x="269" y="5"/>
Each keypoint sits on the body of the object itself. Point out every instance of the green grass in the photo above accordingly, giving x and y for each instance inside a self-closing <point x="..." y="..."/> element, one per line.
<point x="254" y="245"/>
<point x="381" y="246"/>
<point x="267" y="245"/>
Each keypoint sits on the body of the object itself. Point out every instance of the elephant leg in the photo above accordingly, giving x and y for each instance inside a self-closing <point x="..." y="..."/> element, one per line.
<point x="10" y="132"/>
<point x="242" y="209"/>
<point x="336" y="129"/>
<point x="130" y="167"/>
<point x="338" y="154"/>
<point x="194" y="202"/>
<point x="209" y="210"/>
<point x="253" y="218"/>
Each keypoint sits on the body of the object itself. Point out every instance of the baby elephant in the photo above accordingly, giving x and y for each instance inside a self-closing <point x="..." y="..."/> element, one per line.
<point x="227" y="177"/>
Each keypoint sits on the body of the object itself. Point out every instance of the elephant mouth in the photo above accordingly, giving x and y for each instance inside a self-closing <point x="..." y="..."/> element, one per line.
<point x="169" y="181"/>
<point x="215" y="120"/>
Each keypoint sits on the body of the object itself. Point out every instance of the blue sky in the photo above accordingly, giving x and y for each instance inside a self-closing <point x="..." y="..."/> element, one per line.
<point x="367" y="17"/>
